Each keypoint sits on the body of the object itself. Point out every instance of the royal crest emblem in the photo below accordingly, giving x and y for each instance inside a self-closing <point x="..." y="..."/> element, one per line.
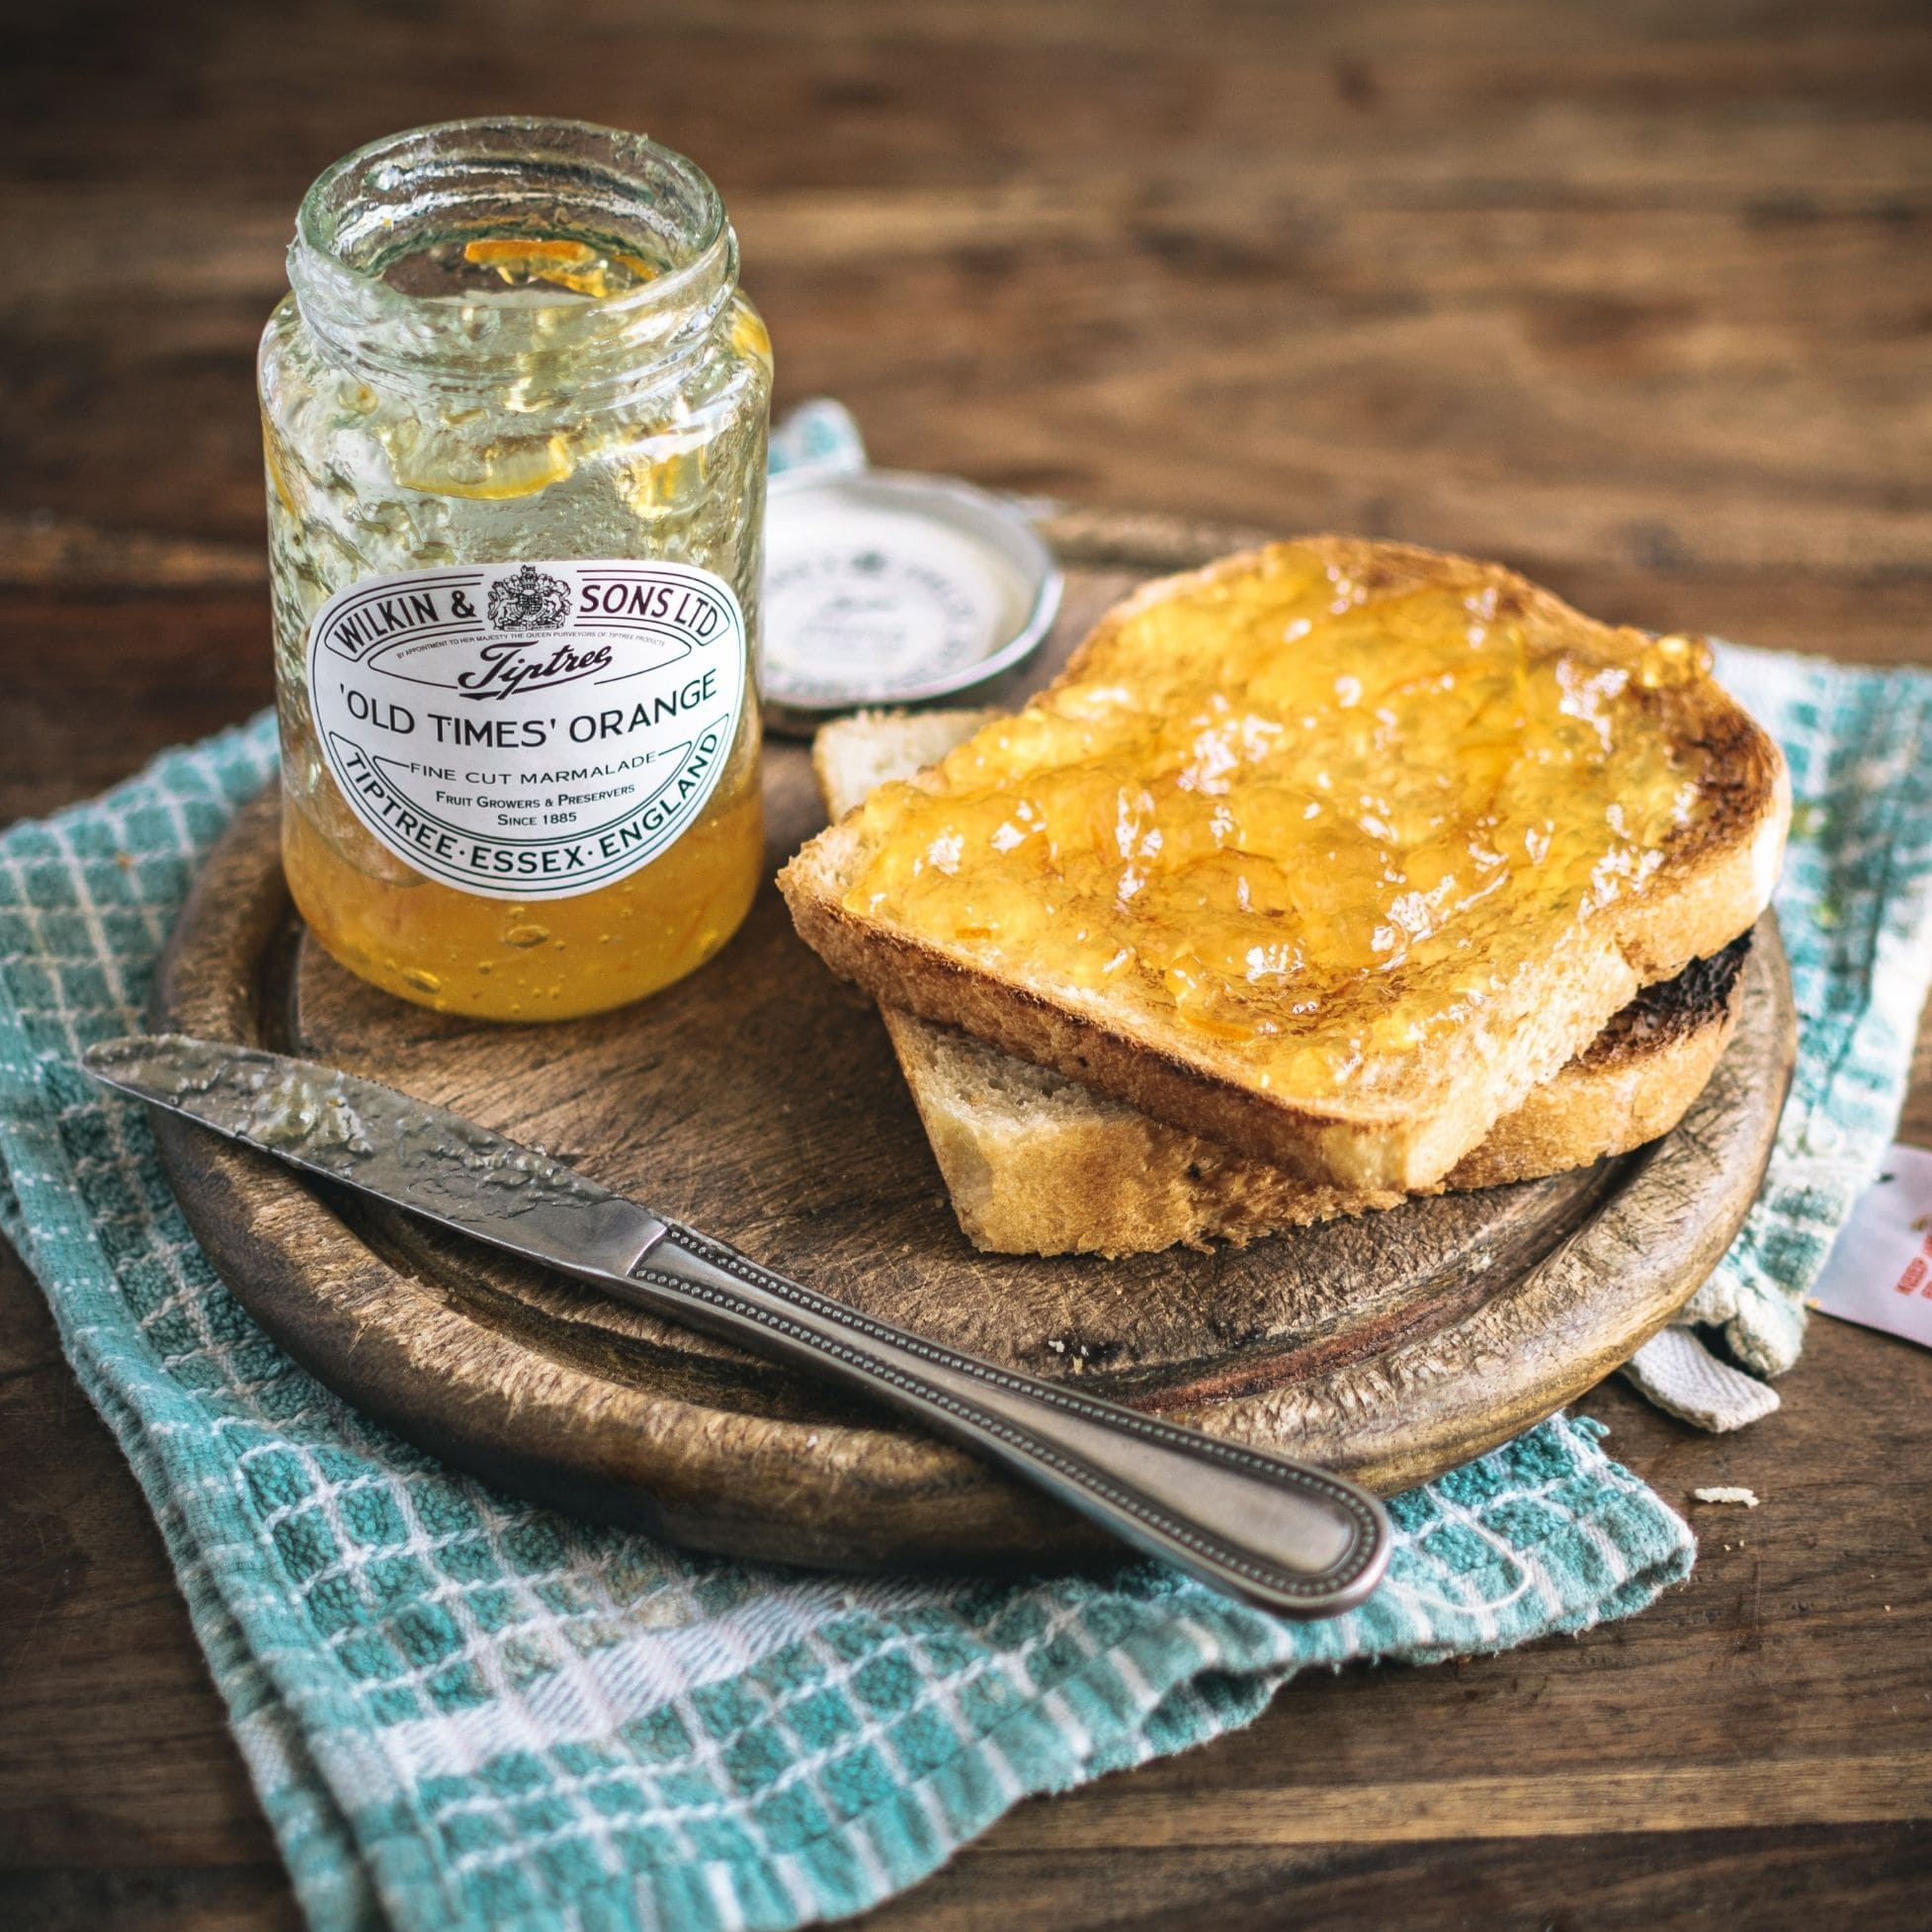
<point x="529" y="601"/>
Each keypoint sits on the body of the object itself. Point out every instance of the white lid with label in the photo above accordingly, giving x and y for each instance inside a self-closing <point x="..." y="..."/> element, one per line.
<point x="884" y="588"/>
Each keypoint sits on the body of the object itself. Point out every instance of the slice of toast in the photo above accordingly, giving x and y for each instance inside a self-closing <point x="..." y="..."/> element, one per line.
<point x="1035" y="1163"/>
<point x="1448" y="1065"/>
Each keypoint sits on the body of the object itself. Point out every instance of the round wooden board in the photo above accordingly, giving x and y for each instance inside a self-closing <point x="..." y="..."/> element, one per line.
<point x="759" y="1100"/>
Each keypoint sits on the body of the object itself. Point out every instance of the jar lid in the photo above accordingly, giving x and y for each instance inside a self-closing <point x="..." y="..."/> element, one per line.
<point x="887" y="588"/>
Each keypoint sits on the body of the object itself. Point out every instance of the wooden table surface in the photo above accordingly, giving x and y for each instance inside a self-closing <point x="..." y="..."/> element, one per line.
<point x="1638" y="299"/>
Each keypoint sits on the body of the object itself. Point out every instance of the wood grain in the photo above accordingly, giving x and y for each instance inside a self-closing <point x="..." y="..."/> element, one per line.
<point x="1635" y="298"/>
<point x="1884" y="1789"/>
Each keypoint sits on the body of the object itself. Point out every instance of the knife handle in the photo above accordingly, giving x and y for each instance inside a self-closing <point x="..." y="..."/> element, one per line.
<point x="1274" y="1532"/>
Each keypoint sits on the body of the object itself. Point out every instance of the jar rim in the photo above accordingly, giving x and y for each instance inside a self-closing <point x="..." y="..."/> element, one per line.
<point x="439" y="167"/>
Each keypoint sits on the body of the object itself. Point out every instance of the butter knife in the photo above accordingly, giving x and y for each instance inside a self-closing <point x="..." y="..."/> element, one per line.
<point x="1268" y="1531"/>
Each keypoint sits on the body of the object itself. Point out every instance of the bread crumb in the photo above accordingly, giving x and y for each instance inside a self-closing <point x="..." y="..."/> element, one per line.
<point x="1727" y="1495"/>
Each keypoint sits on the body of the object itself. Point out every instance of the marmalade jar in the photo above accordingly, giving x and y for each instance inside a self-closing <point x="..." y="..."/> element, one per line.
<point x="514" y="414"/>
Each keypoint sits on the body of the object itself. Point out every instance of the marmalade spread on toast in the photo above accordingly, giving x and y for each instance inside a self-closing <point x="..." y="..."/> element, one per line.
<point x="1317" y="819"/>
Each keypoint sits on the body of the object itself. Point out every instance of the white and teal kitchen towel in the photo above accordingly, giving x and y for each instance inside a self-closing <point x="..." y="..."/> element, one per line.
<point x="462" y="1711"/>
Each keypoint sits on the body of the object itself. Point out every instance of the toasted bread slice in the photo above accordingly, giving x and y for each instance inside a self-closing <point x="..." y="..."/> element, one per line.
<point x="1035" y="1163"/>
<point x="1400" y="1118"/>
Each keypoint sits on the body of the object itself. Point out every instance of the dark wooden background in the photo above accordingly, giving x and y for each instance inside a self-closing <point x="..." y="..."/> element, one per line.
<point x="1638" y="297"/>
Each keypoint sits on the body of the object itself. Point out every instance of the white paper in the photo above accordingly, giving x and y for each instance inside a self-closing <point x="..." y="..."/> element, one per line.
<point x="1880" y="1271"/>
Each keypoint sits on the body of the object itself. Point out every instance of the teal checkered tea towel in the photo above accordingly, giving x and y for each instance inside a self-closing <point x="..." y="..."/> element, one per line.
<point x="464" y="1713"/>
<point x="1854" y="907"/>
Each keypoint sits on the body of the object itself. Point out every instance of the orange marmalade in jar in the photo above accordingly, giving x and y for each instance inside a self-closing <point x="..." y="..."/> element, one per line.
<point x="514" y="413"/>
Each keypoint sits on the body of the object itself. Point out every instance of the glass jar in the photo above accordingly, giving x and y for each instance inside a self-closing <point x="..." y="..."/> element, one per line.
<point x="514" y="413"/>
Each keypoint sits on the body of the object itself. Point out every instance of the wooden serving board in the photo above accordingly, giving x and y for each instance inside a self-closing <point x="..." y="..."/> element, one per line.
<point x="759" y="1100"/>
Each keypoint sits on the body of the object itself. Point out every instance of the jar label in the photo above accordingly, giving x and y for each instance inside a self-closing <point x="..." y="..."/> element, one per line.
<point x="529" y="730"/>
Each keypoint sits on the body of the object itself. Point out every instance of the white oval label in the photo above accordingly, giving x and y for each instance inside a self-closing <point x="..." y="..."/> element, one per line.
<point x="529" y="730"/>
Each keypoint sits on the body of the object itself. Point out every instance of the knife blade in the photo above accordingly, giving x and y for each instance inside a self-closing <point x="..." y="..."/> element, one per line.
<point x="402" y="1151"/>
<point x="1272" y="1532"/>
